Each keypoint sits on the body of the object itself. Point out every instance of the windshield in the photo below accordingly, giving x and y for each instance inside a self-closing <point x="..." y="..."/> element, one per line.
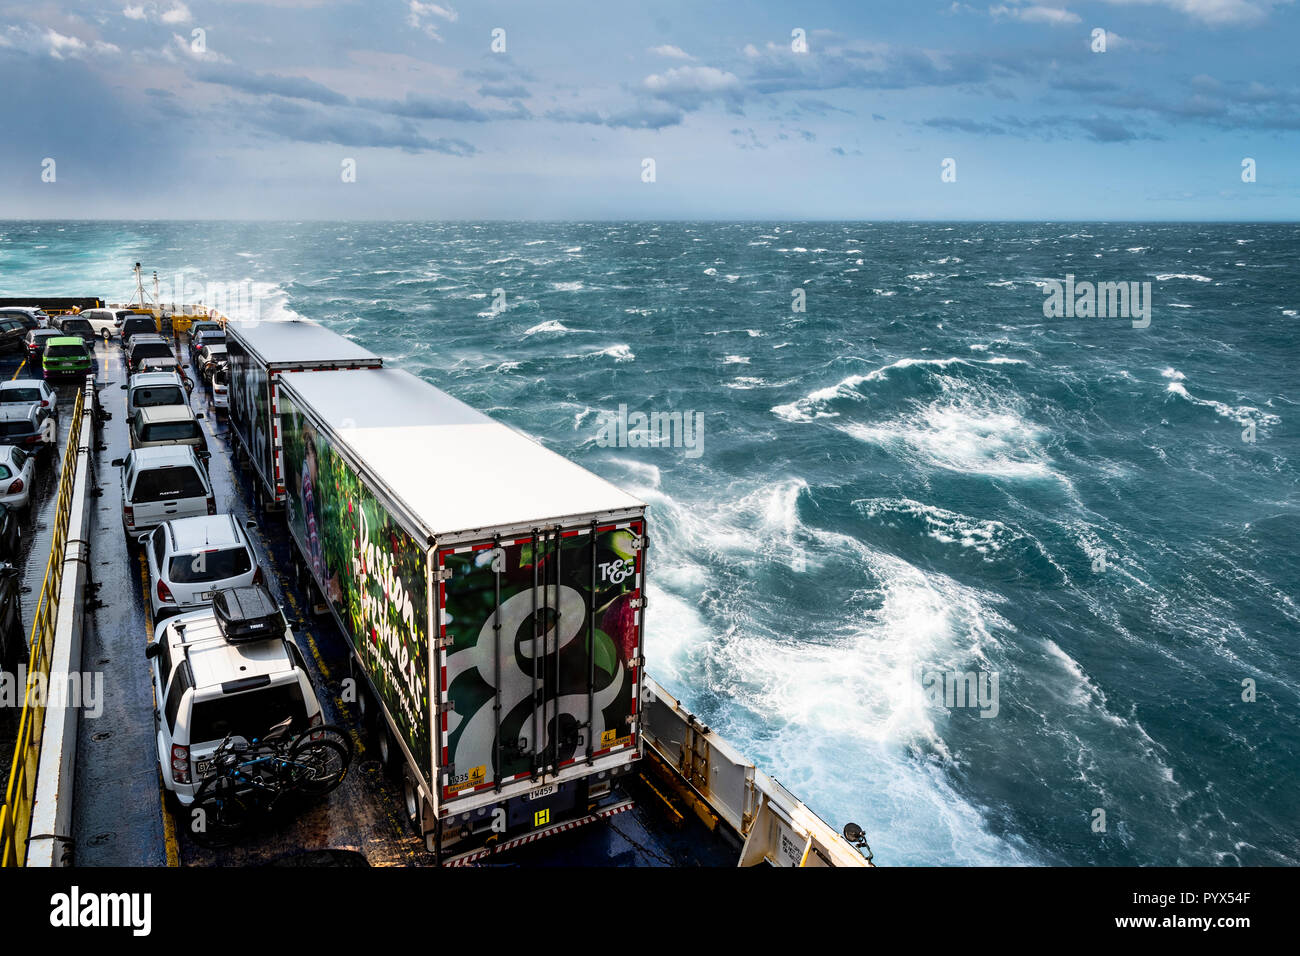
<point x="65" y="351"/>
<point x="165" y="484"/>
<point x="214" y="565"/>
<point x="151" y="350"/>
<point x="151" y="395"/>
<point x="170" y="431"/>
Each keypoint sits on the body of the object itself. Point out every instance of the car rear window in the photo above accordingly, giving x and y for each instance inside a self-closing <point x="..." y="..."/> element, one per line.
<point x="150" y="395"/>
<point x="20" y="427"/>
<point x="76" y="325"/>
<point x="65" y="351"/>
<point x="249" y="714"/>
<point x="167" y="484"/>
<point x="133" y="326"/>
<point x="20" y="396"/>
<point x="150" y="350"/>
<point x="170" y="431"/>
<point x="218" y="564"/>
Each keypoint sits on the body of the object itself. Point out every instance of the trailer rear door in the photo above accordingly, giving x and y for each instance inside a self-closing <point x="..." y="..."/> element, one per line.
<point x="540" y="654"/>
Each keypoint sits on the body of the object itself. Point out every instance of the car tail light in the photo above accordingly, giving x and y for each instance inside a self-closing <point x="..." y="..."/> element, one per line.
<point x="45" y="404"/>
<point x="16" y="487"/>
<point x="164" y="592"/>
<point x="180" y="763"/>
<point x="212" y="505"/>
<point x="258" y="578"/>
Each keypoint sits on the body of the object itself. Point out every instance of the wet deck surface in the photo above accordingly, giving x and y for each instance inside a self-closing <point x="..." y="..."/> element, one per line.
<point x="119" y="815"/>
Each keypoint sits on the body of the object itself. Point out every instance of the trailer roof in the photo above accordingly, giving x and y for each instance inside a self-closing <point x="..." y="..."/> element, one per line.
<point x="456" y="469"/>
<point x="297" y="342"/>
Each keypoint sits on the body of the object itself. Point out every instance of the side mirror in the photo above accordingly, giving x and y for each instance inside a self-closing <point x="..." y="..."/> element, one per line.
<point x="152" y="650"/>
<point x="118" y="462"/>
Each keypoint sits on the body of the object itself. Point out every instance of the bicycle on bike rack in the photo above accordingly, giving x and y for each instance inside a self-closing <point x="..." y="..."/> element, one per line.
<point x="260" y="775"/>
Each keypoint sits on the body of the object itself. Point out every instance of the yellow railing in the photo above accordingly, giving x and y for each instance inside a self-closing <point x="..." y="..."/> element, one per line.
<point x="16" y="812"/>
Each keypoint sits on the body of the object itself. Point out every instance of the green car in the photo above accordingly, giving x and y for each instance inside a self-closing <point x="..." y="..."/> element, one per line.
<point x="64" y="356"/>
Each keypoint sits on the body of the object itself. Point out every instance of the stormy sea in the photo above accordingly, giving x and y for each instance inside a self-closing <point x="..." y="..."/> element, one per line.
<point x="1003" y="584"/>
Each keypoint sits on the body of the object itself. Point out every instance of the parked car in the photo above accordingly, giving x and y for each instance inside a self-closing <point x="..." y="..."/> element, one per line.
<point x="168" y="425"/>
<point x="135" y="324"/>
<point x="36" y="340"/>
<point x="29" y="391"/>
<point x="105" y="322"/>
<point x="13" y="334"/>
<point x="17" y="472"/>
<point x="204" y="325"/>
<point x="221" y="387"/>
<point x="11" y="532"/>
<point x="144" y="347"/>
<point x="161" y="483"/>
<point x="76" y="325"/>
<point x="13" y="641"/>
<point x="211" y="680"/>
<point x="26" y="425"/>
<point x="190" y="558"/>
<point x="210" y="356"/>
<point x="65" y="356"/>
<point x="30" y="316"/>
<point x="150" y="389"/>
<point x="205" y="337"/>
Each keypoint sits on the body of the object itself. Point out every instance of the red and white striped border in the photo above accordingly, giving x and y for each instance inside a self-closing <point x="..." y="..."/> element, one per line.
<point x="476" y="855"/>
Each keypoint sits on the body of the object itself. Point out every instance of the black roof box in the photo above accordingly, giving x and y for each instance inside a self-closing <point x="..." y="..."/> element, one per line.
<point x="247" y="614"/>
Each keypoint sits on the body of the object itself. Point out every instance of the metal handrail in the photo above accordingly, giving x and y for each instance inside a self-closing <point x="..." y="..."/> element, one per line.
<point x="16" y="811"/>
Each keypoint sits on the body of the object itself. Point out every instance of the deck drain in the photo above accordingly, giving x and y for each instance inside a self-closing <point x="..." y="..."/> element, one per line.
<point x="102" y="735"/>
<point x="102" y="661"/>
<point x="99" y="839"/>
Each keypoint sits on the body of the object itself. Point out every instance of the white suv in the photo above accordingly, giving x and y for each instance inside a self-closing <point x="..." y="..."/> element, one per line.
<point x="191" y="558"/>
<point x="211" y="680"/>
<point x="159" y="484"/>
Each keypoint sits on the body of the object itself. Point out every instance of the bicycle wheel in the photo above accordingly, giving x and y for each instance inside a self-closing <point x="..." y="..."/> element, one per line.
<point x="327" y="732"/>
<point x="218" y="816"/>
<point x="317" y="766"/>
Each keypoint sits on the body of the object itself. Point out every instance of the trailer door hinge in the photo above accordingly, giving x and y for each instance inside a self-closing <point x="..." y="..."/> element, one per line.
<point x="448" y="707"/>
<point x="442" y="643"/>
<point x="442" y="574"/>
<point x="637" y="603"/>
<point x="636" y="662"/>
<point x="638" y="543"/>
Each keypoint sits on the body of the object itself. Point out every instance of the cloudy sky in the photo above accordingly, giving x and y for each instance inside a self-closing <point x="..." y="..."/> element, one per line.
<point x="255" y="108"/>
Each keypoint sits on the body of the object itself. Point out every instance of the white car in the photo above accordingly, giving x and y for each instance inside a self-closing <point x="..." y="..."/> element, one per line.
<point x="212" y="678"/>
<point x="221" y="388"/>
<point x="106" y="323"/>
<point x="17" y="471"/>
<point x="191" y="558"/>
<point x="160" y="484"/>
<point x="29" y="391"/>
<point x="150" y="389"/>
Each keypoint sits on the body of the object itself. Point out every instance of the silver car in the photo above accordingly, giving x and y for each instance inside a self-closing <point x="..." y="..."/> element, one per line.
<point x="190" y="558"/>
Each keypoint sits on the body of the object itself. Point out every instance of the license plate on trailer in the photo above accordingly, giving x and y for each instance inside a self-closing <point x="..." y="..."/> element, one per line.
<point x="541" y="792"/>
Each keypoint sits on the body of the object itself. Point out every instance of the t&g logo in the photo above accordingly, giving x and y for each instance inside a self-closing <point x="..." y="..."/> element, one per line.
<point x="617" y="571"/>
